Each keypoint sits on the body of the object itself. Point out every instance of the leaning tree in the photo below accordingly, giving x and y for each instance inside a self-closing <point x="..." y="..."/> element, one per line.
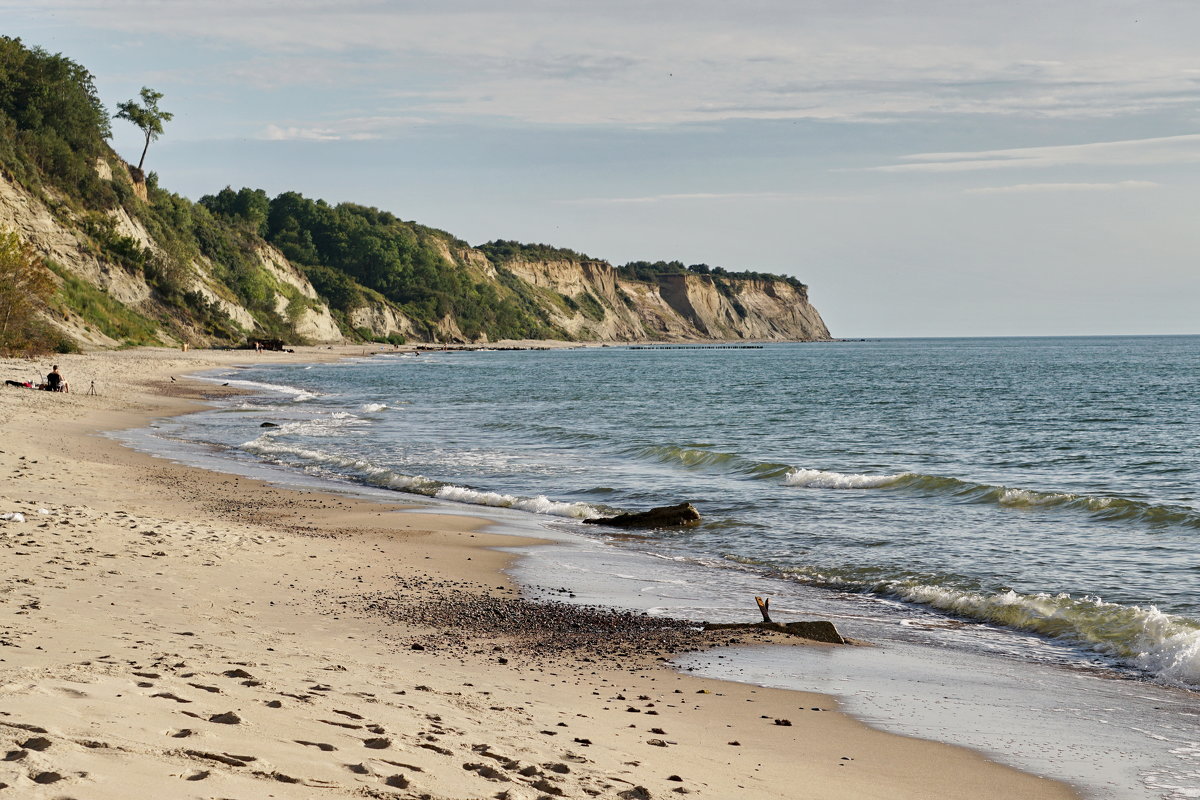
<point x="148" y="116"/>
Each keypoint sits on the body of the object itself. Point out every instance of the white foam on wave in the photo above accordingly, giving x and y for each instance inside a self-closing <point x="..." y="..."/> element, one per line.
<point x="381" y="476"/>
<point x="297" y="394"/>
<point x="370" y="473"/>
<point x="265" y="445"/>
<point x="1169" y="650"/>
<point x="1029" y="497"/>
<point x="316" y="427"/>
<point x="371" y="408"/>
<point x="820" y="479"/>
<point x="538" y="505"/>
<point x="1160" y="644"/>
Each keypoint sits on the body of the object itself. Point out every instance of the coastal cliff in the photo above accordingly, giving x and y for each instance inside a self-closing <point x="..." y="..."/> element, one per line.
<point x="133" y="263"/>
<point x="591" y="300"/>
<point x="124" y="277"/>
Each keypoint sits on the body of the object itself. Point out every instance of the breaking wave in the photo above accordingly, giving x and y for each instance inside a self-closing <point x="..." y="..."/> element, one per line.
<point x="297" y="394"/>
<point x="700" y="458"/>
<point x="538" y="505"/>
<point x="1160" y="644"/>
<point x="821" y="479"/>
<point x="1164" y="646"/>
<point x="373" y="474"/>
<point x="1103" y="508"/>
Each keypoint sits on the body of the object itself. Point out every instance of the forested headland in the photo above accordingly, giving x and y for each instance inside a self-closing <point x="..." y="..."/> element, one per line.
<point x="100" y="253"/>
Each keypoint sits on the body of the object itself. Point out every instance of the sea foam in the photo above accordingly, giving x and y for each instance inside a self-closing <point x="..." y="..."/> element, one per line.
<point x="297" y="394"/>
<point x="1162" y="645"/>
<point x="820" y="479"/>
<point x="538" y="505"/>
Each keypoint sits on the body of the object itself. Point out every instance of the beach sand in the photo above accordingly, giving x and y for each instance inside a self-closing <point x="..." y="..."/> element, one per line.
<point x="174" y="633"/>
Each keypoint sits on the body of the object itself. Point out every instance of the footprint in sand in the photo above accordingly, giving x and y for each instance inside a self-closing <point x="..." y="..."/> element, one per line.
<point x="45" y="777"/>
<point x="202" y="687"/>
<point x="197" y="775"/>
<point x="170" y="696"/>
<point x="322" y="746"/>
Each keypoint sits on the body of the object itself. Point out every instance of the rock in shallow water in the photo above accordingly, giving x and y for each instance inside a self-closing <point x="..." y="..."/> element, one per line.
<point x="661" y="517"/>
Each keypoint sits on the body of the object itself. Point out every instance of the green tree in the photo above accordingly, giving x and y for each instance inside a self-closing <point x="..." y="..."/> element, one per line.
<point x="25" y="288"/>
<point x="52" y="124"/>
<point x="148" y="117"/>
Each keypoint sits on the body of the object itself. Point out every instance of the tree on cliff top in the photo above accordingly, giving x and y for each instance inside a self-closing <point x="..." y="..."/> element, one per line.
<point x="148" y="117"/>
<point x="52" y="124"/>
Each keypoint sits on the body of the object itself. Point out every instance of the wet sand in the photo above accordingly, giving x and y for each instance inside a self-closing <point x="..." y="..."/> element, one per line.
<point x="172" y="632"/>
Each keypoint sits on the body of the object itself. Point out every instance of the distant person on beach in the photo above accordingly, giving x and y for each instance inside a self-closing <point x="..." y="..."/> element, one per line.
<point x="55" y="382"/>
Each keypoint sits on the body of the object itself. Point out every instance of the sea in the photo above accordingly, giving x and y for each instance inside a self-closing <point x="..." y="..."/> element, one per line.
<point x="1011" y="525"/>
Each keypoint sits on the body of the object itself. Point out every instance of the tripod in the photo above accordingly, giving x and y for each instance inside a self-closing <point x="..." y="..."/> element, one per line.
<point x="92" y="388"/>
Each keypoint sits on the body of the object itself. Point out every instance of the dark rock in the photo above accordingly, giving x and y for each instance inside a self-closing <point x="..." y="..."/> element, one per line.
<point x="813" y="630"/>
<point x="816" y="630"/>
<point x="268" y="425"/>
<point x="662" y="517"/>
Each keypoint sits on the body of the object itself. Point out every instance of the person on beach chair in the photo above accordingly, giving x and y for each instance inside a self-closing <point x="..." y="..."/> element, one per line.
<point x="55" y="382"/>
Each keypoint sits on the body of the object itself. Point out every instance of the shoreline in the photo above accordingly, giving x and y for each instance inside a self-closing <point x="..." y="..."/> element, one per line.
<point x="195" y="577"/>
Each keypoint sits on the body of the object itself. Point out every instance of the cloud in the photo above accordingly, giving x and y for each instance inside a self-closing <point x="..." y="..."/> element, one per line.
<point x="290" y="133"/>
<point x="1129" y="152"/>
<point x="689" y="197"/>
<point x="350" y="129"/>
<point x="674" y="61"/>
<point x="1064" y="187"/>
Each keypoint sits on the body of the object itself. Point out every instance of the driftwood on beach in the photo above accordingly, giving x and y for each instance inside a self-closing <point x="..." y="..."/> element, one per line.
<point x="814" y="630"/>
<point x="684" y="514"/>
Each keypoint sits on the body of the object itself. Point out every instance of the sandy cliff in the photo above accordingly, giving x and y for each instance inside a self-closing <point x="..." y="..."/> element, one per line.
<point x="580" y="299"/>
<point x="590" y="300"/>
<point x="59" y="234"/>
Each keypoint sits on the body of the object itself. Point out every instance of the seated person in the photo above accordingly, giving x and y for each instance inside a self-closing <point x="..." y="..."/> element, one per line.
<point x="55" y="382"/>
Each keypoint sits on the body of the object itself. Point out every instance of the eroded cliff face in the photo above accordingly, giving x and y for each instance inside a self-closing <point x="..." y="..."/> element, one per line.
<point x="590" y="301"/>
<point x="724" y="308"/>
<point x="585" y="300"/>
<point x="59" y="237"/>
<point x="383" y="320"/>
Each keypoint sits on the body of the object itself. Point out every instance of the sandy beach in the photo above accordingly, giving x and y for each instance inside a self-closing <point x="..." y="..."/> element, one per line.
<point x="175" y="633"/>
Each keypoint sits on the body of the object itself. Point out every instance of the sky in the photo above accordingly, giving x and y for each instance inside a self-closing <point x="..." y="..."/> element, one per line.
<point x="927" y="167"/>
